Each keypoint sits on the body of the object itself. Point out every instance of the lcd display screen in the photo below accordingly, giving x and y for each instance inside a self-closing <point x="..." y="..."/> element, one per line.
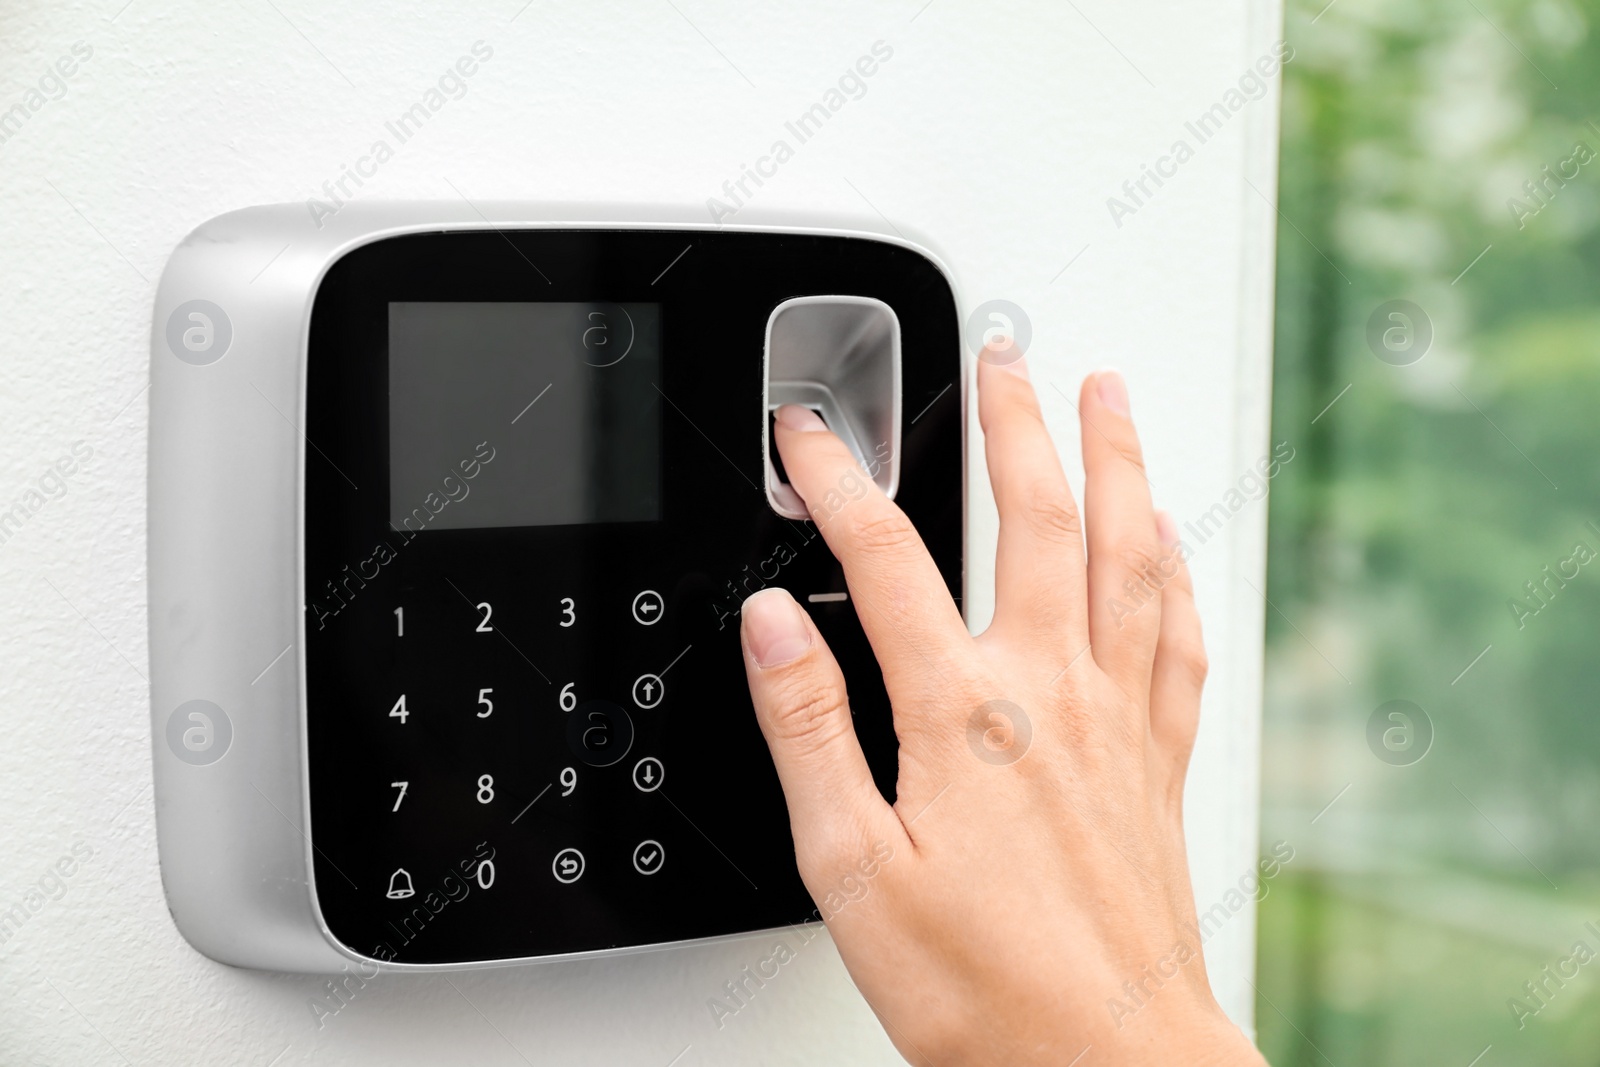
<point x="523" y="414"/>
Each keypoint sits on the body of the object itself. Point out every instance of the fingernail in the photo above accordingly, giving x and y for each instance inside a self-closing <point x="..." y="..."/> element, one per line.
<point x="796" y="417"/>
<point x="775" y="631"/>
<point x="1113" y="391"/>
<point x="1166" y="529"/>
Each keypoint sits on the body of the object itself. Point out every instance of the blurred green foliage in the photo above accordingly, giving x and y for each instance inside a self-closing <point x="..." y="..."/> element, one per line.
<point x="1425" y="498"/>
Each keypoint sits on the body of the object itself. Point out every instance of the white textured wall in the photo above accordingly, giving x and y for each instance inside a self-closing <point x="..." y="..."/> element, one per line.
<point x="997" y="129"/>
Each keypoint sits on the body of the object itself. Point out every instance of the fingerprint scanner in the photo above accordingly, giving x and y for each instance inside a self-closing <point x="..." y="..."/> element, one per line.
<point x="840" y="357"/>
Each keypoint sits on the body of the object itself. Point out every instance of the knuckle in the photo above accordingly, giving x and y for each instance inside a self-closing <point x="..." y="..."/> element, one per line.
<point x="819" y="851"/>
<point x="806" y="712"/>
<point x="1053" y="513"/>
<point x="1139" y="558"/>
<point x="887" y="530"/>
<point x="1130" y="451"/>
<point x="1196" y="665"/>
<point x="829" y="855"/>
<point x="1185" y="645"/>
<point x="1096" y="729"/>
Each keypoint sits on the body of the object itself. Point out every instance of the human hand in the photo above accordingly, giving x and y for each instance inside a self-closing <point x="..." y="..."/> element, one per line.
<point x="1031" y="871"/>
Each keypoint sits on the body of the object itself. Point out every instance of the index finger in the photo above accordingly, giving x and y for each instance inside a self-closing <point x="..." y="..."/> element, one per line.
<point x="900" y="596"/>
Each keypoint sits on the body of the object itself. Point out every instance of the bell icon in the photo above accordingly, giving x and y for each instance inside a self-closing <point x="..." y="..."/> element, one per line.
<point x="400" y="885"/>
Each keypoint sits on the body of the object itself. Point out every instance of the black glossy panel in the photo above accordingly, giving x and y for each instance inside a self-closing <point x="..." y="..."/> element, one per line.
<point x="629" y="744"/>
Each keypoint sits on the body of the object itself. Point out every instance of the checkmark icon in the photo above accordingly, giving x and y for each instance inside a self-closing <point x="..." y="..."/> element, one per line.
<point x="648" y="857"/>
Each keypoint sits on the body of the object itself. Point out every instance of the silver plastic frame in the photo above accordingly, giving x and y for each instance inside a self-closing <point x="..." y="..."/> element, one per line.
<point x="226" y="558"/>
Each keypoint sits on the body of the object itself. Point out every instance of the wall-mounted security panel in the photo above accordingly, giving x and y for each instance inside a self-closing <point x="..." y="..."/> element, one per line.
<point x="453" y="510"/>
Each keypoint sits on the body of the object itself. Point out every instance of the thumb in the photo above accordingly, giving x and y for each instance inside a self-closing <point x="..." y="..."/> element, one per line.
<point x="799" y="694"/>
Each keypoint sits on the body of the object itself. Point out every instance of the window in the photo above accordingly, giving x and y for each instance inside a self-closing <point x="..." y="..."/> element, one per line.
<point x="1432" y="745"/>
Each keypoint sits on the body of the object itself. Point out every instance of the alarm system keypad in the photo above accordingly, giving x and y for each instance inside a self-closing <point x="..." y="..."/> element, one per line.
<point x="533" y="512"/>
<point x="539" y="739"/>
<point x="557" y="751"/>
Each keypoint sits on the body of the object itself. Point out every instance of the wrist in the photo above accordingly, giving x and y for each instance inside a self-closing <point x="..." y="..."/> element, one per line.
<point x="1194" y="1031"/>
<point x="1214" y="1041"/>
<point x="1194" y="1034"/>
